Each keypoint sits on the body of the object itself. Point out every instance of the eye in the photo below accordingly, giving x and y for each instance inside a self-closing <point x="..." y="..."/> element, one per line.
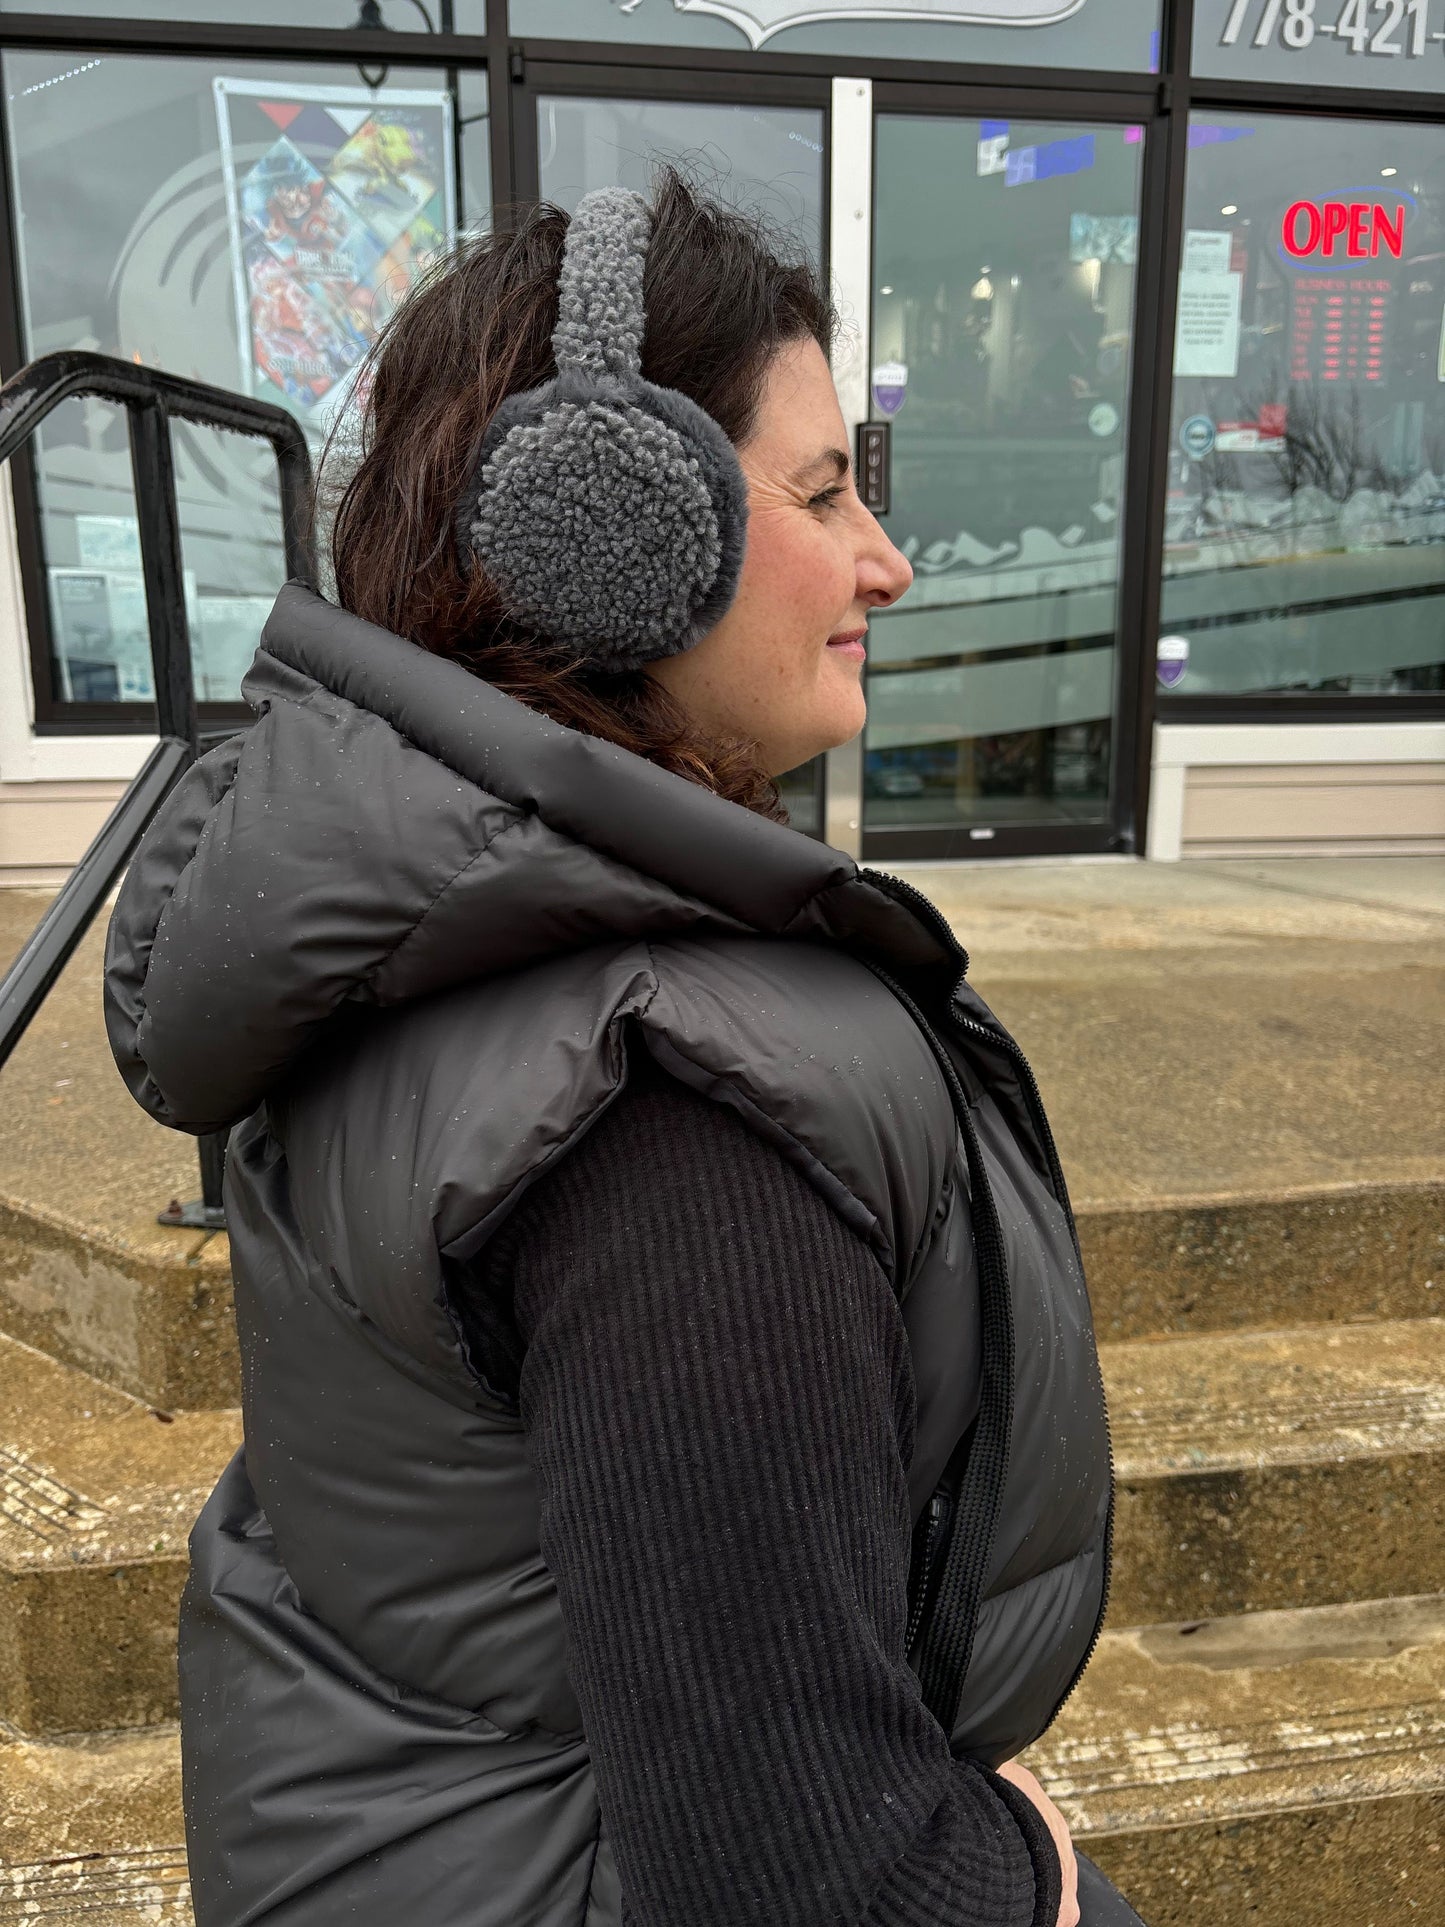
<point x="825" y="498"/>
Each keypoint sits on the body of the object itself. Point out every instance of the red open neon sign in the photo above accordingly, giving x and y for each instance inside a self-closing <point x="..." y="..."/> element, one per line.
<point x="1314" y="228"/>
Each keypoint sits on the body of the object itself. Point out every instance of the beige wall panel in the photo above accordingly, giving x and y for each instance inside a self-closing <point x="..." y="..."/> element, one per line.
<point x="49" y="825"/>
<point x="1240" y="809"/>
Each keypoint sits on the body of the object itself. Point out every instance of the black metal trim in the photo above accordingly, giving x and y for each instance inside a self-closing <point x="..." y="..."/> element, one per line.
<point x="1319" y="103"/>
<point x="1161" y="230"/>
<point x="656" y="81"/>
<point x="1309" y="706"/>
<point x="151" y="398"/>
<point x="939" y="844"/>
<point x="739" y="61"/>
<point x="237" y="40"/>
<point x="1024" y="97"/>
<point x="499" y="107"/>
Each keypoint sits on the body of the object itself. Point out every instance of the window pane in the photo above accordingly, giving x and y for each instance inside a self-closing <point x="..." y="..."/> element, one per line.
<point x="1119" y="34"/>
<point x="252" y="228"/>
<point x="1332" y="43"/>
<point x="1002" y="315"/>
<point x="768" y="160"/>
<point x="1305" y="521"/>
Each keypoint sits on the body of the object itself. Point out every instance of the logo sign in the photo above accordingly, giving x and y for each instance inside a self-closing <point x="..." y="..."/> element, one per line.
<point x="1353" y="226"/>
<point x="1103" y="418"/>
<point x="1172" y="661"/>
<point x="890" y="387"/>
<point x="1196" y="437"/>
<point x="761" y="19"/>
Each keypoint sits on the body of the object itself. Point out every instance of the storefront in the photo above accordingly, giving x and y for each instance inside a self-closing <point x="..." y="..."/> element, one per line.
<point x="1147" y="316"/>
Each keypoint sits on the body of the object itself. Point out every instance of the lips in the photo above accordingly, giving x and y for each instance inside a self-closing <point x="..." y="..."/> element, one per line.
<point x="850" y="643"/>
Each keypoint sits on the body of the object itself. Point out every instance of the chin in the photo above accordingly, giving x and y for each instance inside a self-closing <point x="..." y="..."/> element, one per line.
<point x="839" y="723"/>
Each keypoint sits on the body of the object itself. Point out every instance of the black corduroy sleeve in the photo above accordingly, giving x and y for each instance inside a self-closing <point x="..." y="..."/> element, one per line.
<point x="719" y="1405"/>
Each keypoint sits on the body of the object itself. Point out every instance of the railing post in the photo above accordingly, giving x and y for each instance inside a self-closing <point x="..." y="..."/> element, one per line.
<point x="150" y="397"/>
<point x="160" y="552"/>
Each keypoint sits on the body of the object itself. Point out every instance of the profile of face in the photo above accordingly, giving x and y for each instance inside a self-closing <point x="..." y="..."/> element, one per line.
<point x="784" y="666"/>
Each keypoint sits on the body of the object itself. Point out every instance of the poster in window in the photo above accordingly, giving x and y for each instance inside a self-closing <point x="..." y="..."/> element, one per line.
<point x="337" y="198"/>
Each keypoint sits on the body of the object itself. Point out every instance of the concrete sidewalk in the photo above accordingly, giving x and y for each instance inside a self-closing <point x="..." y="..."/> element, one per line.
<point x="1200" y="1029"/>
<point x="1196" y="1029"/>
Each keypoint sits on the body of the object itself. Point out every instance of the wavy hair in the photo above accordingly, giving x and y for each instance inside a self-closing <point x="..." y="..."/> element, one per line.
<point x="722" y="298"/>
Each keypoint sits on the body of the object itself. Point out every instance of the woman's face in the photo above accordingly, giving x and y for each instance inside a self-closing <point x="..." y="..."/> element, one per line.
<point x="785" y="664"/>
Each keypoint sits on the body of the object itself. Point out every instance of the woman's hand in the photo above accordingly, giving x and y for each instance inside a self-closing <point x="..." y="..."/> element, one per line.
<point x="1020" y="1777"/>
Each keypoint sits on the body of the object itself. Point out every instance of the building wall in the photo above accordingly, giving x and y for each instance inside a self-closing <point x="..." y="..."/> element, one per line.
<point x="1297" y="789"/>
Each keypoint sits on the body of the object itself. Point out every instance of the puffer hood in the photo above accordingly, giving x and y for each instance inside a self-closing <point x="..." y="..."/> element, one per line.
<point x="392" y="826"/>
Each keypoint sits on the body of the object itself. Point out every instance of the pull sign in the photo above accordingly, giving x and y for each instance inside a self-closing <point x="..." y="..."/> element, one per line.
<point x="875" y="459"/>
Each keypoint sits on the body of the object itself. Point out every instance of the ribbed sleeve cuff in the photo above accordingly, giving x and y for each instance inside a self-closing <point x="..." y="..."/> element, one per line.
<point x="1048" y="1875"/>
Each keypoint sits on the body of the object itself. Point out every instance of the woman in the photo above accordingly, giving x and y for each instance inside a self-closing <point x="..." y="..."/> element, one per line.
<point x="675" y="1478"/>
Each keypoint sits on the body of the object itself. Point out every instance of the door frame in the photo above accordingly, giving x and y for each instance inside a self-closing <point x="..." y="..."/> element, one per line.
<point x="1120" y="827"/>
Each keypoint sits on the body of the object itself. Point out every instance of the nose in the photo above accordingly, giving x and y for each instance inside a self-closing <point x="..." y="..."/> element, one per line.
<point x="884" y="572"/>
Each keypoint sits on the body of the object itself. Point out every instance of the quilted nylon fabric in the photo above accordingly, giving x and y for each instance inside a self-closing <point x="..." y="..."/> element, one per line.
<point x="400" y="935"/>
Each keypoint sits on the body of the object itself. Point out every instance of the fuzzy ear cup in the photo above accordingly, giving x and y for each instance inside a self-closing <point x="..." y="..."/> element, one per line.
<point x="611" y="513"/>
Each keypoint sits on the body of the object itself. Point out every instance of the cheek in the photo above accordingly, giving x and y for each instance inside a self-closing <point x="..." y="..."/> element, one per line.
<point x="802" y="575"/>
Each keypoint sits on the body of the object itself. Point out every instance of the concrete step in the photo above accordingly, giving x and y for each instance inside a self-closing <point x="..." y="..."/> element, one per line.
<point x="1262" y="1470"/>
<point x="1255" y="1470"/>
<point x="1277" y="1769"/>
<point x="1263" y="1260"/>
<point x="86" y="1273"/>
<point x="149" y="1310"/>
<point x="1240" y="1063"/>
<point x="91" y="1831"/>
<point x="97" y="1496"/>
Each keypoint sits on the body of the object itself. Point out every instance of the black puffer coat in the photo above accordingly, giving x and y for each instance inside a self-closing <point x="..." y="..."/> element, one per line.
<point x="400" y="933"/>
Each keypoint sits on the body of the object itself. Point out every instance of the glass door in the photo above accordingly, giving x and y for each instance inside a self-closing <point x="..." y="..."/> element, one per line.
<point x="1000" y="347"/>
<point x="762" y="156"/>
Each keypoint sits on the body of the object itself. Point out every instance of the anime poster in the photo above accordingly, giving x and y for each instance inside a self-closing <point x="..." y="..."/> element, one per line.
<point x="337" y="199"/>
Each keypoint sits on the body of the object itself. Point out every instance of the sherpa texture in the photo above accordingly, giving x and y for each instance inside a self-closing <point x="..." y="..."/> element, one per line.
<point x="599" y="290"/>
<point x="611" y="513"/>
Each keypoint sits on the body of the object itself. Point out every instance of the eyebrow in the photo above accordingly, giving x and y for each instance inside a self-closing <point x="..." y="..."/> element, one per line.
<point x="837" y="458"/>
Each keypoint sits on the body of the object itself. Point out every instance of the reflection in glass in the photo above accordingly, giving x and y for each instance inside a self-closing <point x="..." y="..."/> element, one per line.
<point x="253" y="229"/>
<point x="765" y="160"/>
<point x="1304" y="543"/>
<point x="1004" y="265"/>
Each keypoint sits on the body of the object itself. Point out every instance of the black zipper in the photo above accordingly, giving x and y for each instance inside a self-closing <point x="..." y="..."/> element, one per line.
<point x="935" y="1517"/>
<point x="928" y="912"/>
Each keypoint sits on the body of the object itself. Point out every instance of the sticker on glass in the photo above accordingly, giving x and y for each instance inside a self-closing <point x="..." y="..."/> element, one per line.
<point x="1172" y="661"/>
<point x="1196" y="437"/>
<point x="890" y="387"/>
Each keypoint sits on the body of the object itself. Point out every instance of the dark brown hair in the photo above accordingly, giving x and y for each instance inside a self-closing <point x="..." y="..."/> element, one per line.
<point x="721" y="299"/>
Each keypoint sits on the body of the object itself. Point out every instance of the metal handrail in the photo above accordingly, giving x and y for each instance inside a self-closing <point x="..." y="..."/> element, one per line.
<point x="151" y="397"/>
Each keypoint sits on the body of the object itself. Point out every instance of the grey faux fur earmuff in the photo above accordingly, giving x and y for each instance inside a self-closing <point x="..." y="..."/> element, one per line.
<point x="611" y="513"/>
